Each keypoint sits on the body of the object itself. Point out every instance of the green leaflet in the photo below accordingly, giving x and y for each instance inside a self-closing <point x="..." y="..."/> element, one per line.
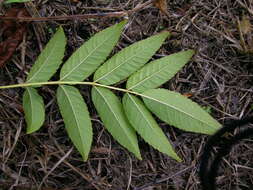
<point x="129" y="60"/>
<point x="76" y="118"/>
<point x="143" y="122"/>
<point x="85" y="60"/>
<point x="111" y="112"/>
<point x="49" y="60"/>
<point x="34" y="110"/>
<point x="157" y="72"/>
<point x="120" y="121"/>
<point x="179" y="111"/>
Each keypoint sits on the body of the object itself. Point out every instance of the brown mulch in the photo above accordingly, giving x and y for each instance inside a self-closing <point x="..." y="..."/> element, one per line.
<point x="220" y="78"/>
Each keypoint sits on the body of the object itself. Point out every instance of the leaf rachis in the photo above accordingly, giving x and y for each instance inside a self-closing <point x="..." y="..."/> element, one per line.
<point x="121" y="117"/>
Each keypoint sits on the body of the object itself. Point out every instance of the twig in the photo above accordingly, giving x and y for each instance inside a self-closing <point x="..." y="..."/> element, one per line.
<point x="54" y="167"/>
<point x="79" y="17"/>
<point x="62" y="18"/>
<point x="130" y="173"/>
<point x="163" y="179"/>
<point x="244" y="6"/>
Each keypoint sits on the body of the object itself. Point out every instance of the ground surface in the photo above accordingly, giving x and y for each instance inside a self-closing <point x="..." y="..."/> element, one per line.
<point x="218" y="77"/>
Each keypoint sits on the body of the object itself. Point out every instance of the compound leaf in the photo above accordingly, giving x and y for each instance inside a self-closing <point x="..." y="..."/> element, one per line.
<point x="143" y="122"/>
<point x="157" y="72"/>
<point x="129" y="60"/>
<point x="111" y="112"/>
<point x="179" y="111"/>
<point x="85" y="60"/>
<point x="76" y="118"/>
<point x="34" y="110"/>
<point x="49" y="60"/>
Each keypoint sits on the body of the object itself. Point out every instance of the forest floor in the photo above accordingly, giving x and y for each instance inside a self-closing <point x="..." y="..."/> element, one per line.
<point x="219" y="77"/>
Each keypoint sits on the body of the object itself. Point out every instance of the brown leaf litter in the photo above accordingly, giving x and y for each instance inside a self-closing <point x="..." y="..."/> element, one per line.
<point x="12" y="33"/>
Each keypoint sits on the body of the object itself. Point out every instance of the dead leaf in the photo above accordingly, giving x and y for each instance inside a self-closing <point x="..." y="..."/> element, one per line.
<point x="162" y="5"/>
<point x="245" y="25"/>
<point x="246" y="35"/>
<point x="101" y="150"/>
<point x="12" y="33"/>
<point x="187" y="95"/>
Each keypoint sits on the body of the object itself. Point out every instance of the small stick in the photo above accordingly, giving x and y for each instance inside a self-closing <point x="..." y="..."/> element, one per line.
<point x="79" y="17"/>
<point x="244" y="6"/>
<point x="61" y="18"/>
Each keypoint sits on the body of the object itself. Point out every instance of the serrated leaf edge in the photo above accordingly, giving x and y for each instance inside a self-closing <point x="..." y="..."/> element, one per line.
<point x="174" y="155"/>
<point x="68" y="98"/>
<point x="115" y="115"/>
<point x="81" y="62"/>
<point x="129" y="58"/>
<point x="31" y="103"/>
<point x="43" y="65"/>
<point x="150" y="76"/>
<point x="148" y="97"/>
<point x="104" y="76"/>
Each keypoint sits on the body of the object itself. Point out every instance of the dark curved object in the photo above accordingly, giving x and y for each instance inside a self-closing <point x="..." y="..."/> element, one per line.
<point x="208" y="170"/>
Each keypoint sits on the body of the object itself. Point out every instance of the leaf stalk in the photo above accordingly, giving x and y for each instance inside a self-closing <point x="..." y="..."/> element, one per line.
<point x="23" y="85"/>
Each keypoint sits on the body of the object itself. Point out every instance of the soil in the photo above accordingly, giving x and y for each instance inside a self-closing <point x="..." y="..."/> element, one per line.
<point x="219" y="78"/>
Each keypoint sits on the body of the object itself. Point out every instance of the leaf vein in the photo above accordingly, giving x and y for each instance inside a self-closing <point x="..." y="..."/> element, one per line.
<point x="43" y="64"/>
<point x="71" y="71"/>
<point x="175" y="108"/>
<point x="115" y="115"/>
<point x="73" y="111"/>
<point x="104" y="76"/>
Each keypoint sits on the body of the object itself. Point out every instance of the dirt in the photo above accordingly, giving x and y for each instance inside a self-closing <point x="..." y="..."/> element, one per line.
<point x="219" y="78"/>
